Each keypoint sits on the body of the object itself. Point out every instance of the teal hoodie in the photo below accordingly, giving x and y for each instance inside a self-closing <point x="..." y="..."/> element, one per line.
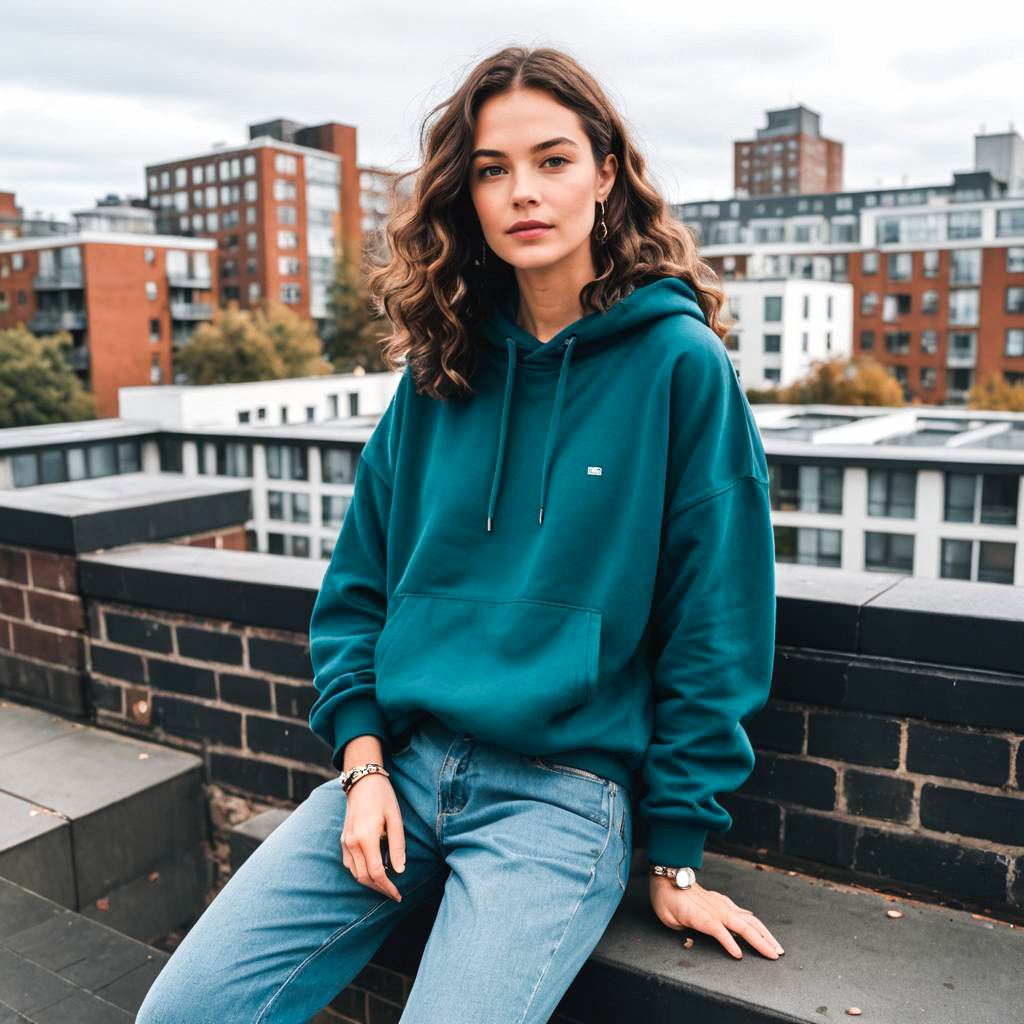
<point x="577" y="562"/>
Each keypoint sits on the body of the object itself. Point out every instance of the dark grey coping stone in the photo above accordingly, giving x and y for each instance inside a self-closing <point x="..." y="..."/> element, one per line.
<point x="933" y="964"/>
<point x="948" y="622"/>
<point x="109" y="810"/>
<point x="244" y="586"/>
<point x="87" y="515"/>
<point x="56" y="965"/>
<point x="74" y="433"/>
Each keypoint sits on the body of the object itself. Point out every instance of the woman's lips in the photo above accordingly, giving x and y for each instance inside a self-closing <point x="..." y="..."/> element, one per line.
<point x="529" y="232"/>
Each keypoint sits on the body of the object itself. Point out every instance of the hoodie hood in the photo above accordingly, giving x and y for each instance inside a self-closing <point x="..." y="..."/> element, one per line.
<point x="506" y="340"/>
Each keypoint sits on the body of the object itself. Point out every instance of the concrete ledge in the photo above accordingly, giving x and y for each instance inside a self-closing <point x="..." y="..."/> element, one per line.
<point x="89" y="815"/>
<point x="842" y="950"/>
<point x="104" y="512"/>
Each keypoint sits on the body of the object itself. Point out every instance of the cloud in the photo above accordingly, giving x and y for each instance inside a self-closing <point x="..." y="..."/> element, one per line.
<point x="90" y="94"/>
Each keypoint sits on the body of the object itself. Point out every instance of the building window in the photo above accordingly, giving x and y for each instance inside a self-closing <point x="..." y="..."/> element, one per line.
<point x="963" y="306"/>
<point x="773" y="343"/>
<point x="895" y="306"/>
<point x="869" y="263"/>
<point x="149" y="255"/>
<point x="892" y="492"/>
<point x="804" y="488"/>
<point x="808" y="545"/>
<point x="807" y="307"/>
<point x="868" y="303"/>
<point x="899" y="266"/>
<point x="928" y="377"/>
<point x="889" y="552"/>
<point x="333" y="508"/>
<point x="994" y="500"/>
<point x="1014" y="342"/>
<point x="930" y="301"/>
<point x="310" y="413"/>
<point x="867" y="340"/>
<point x="286" y="462"/>
<point x="244" y="416"/>
<point x="897" y="342"/>
<point x="151" y="289"/>
<point x="930" y="340"/>
<point x="773" y="307"/>
<point x="154" y="329"/>
<point x="930" y="263"/>
<point x="1015" y="300"/>
<point x="170" y="455"/>
<point x="965" y="266"/>
<point x="291" y="293"/>
<point x="287" y="239"/>
<point x="994" y="560"/>
<point x="284" y="163"/>
<point x="336" y="466"/>
<point x="234" y="459"/>
<point x="288" y="506"/>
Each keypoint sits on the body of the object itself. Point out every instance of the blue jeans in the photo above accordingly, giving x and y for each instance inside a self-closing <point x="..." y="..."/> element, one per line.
<point x="533" y="858"/>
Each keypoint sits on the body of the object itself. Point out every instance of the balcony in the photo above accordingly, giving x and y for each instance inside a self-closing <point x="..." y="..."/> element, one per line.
<point x="78" y="358"/>
<point x="65" y="277"/>
<point x="190" y="280"/>
<point x="191" y="311"/>
<point x="46" y="321"/>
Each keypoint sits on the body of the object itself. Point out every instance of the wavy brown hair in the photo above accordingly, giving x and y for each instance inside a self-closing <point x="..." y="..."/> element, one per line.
<point x="428" y="286"/>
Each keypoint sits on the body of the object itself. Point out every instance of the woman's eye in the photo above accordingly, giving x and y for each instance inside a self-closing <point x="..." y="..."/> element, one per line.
<point x="482" y="173"/>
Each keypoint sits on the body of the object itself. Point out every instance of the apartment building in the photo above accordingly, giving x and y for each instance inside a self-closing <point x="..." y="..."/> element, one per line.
<point x="930" y="492"/>
<point x="125" y="297"/>
<point x="937" y="273"/>
<point x="784" y="325"/>
<point x="789" y="156"/>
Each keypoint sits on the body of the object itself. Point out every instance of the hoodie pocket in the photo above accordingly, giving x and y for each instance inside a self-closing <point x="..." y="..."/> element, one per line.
<point x="501" y="668"/>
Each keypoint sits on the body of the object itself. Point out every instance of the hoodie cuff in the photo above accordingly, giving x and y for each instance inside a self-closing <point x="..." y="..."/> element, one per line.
<point x="360" y="715"/>
<point x="676" y="845"/>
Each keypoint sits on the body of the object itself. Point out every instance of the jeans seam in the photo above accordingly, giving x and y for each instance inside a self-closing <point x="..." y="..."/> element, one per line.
<point x="579" y="903"/>
<point x="328" y="942"/>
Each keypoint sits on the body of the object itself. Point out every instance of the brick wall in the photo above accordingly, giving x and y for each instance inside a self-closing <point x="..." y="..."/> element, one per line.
<point x="890" y="752"/>
<point x="238" y="695"/>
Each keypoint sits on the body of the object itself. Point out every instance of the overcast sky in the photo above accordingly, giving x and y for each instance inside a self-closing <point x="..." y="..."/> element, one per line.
<point x="91" y="93"/>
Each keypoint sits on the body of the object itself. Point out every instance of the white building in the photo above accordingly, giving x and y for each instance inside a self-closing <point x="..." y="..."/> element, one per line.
<point x="786" y="324"/>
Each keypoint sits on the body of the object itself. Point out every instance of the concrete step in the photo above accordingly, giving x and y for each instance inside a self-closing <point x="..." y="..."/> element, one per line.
<point x="842" y="951"/>
<point x="100" y="823"/>
<point x="58" y="967"/>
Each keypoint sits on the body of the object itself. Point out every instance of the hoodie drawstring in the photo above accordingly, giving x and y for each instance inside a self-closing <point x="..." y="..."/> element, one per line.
<point x="556" y="413"/>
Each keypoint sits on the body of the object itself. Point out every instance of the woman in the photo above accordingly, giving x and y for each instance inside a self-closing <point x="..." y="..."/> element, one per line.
<point x="552" y="596"/>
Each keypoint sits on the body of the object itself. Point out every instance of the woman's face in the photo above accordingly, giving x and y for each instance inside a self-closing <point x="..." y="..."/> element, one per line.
<point x="559" y="184"/>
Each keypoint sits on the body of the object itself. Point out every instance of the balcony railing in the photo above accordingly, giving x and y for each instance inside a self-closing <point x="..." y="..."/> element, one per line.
<point x="190" y="280"/>
<point x="191" y="311"/>
<point x="78" y="358"/>
<point x="64" y="277"/>
<point x="47" y="320"/>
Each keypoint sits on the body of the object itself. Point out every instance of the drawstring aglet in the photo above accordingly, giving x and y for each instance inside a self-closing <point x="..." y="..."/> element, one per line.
<point x="540" y="518"/>
<point x="488" y="524"/>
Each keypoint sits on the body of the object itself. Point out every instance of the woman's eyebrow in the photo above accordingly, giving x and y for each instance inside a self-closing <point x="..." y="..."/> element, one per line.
<point x="560" y="141"/>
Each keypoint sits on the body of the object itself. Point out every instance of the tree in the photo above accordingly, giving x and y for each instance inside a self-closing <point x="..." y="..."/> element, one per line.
<point x="995" y="392"/>
<point x="860" y="380"/>
<point x="235" y="347"/>
<point x="352" y="335"/>
<point x="36" y="383"/>
<point x="294" y="339"/>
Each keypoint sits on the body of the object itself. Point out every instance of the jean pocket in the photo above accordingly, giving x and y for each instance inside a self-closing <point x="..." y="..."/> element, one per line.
<point x="502" y="669"/>
<point x="567" y="769"/>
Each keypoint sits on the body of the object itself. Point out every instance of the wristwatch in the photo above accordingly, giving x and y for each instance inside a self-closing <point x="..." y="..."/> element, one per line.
<point x="682" y="877"/>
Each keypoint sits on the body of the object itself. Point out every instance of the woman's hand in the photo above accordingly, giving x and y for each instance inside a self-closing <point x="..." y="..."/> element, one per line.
<point x="373" y="811"/>
<point x="711" y="912"/>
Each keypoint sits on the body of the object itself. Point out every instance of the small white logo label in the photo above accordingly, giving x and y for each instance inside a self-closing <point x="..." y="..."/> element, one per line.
<point x="593" y="470"/>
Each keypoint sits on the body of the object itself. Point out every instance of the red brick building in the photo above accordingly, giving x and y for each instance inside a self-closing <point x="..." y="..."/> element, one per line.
<point x="788" y="157"/>
<point x="125" y="299"/>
